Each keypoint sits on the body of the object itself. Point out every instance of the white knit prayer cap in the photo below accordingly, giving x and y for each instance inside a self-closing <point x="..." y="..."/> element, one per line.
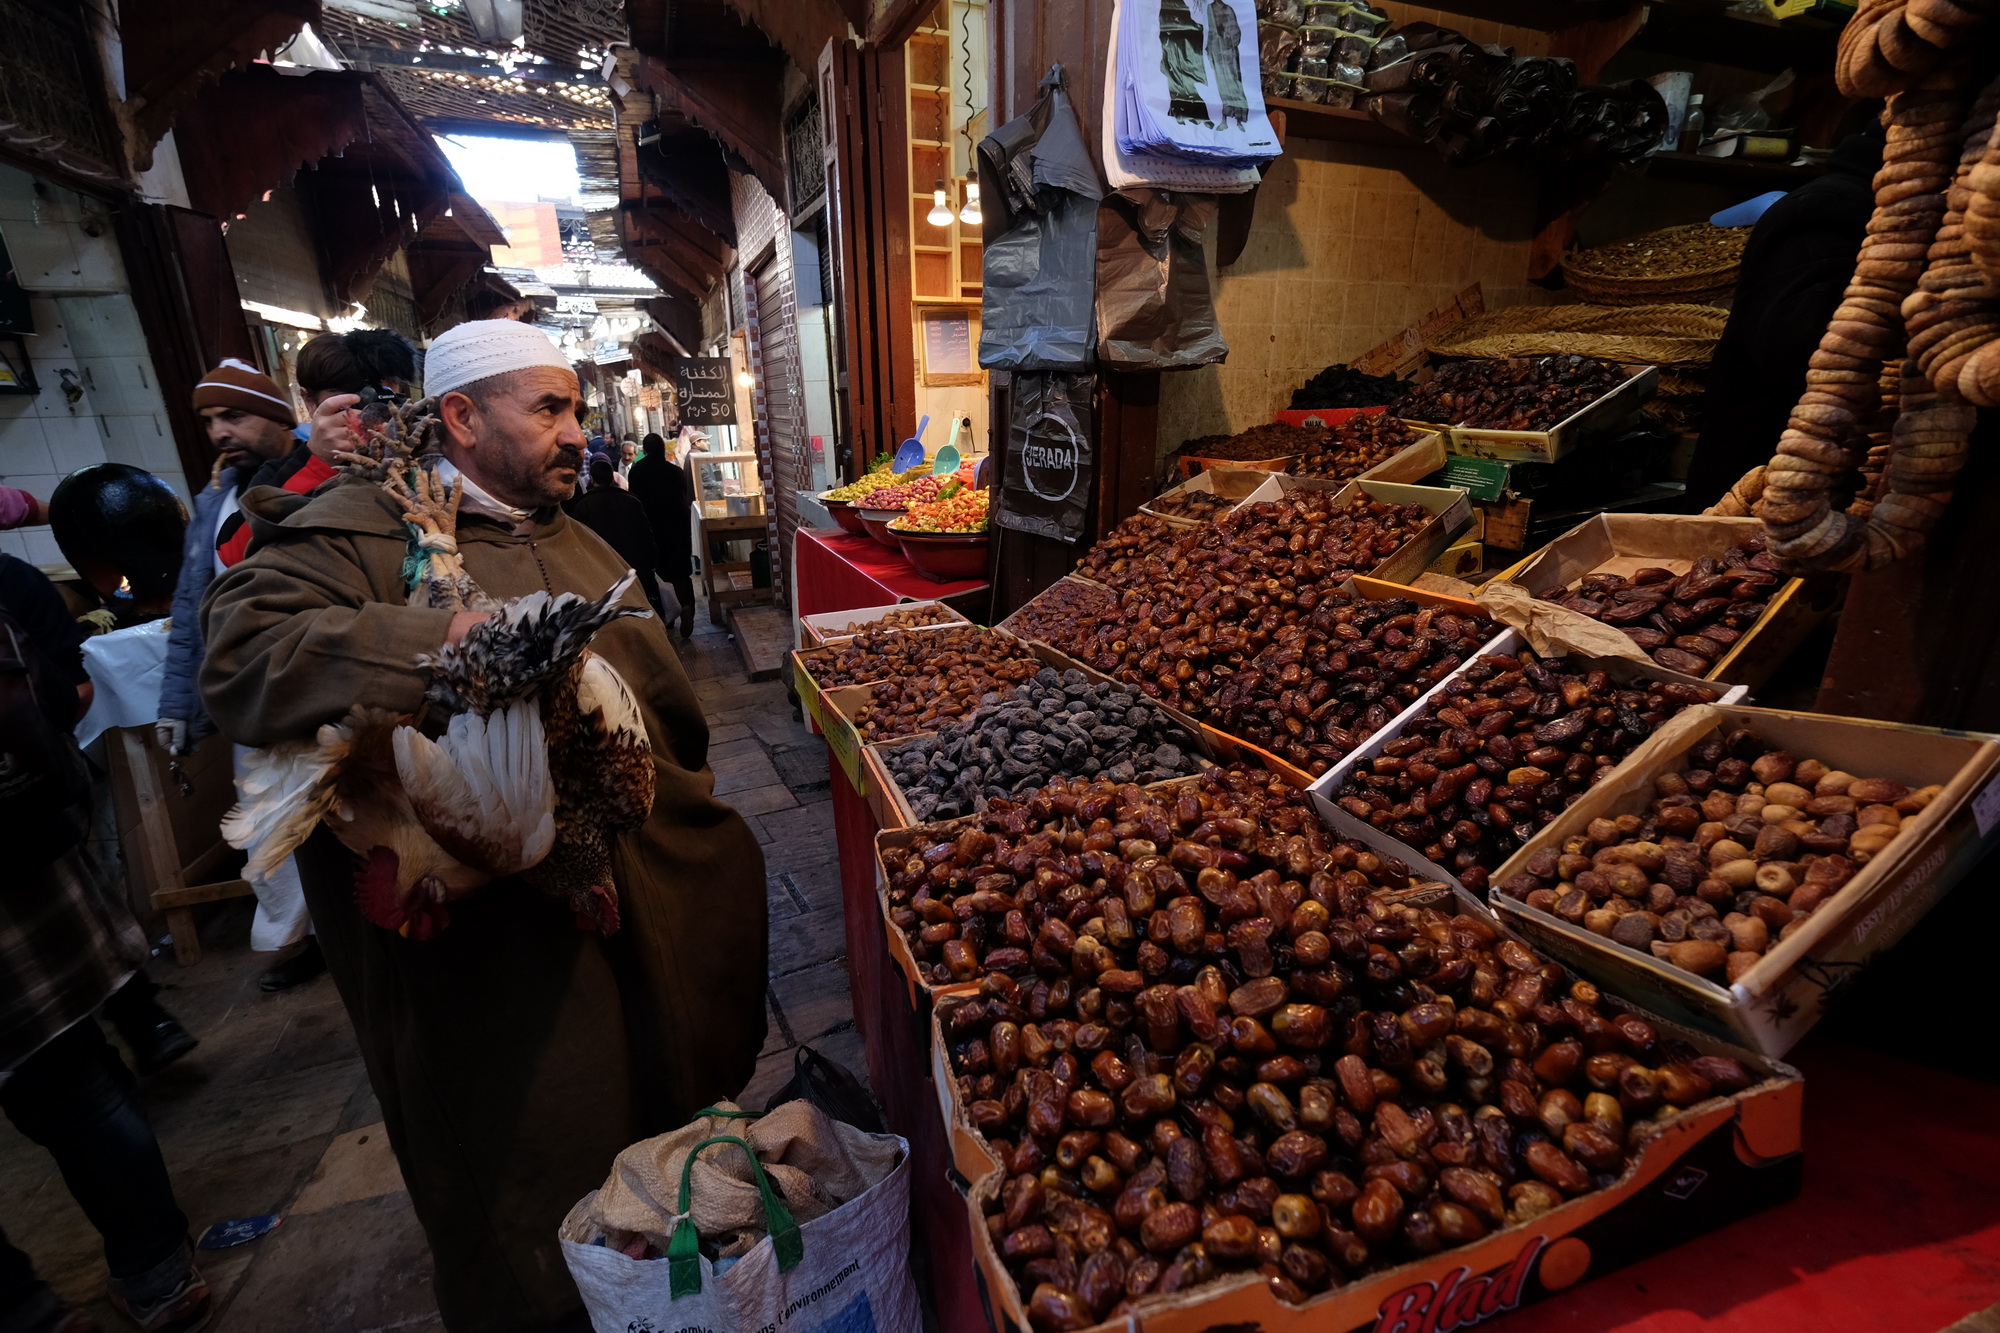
<point x="482" y="348"/>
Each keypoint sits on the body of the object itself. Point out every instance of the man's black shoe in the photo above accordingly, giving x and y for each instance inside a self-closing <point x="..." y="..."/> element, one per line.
<point x="301" y="967"/>
<point x="157" y="1045"/>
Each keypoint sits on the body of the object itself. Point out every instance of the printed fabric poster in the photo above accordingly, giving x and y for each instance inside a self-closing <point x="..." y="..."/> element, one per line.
<point x="1189" y="85"/>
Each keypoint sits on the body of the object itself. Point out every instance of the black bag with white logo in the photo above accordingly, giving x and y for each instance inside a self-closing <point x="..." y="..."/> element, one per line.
<point x="1050" y="468"/>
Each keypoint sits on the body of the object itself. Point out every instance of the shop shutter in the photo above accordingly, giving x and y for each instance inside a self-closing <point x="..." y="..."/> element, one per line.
<point x="782" y="440"/>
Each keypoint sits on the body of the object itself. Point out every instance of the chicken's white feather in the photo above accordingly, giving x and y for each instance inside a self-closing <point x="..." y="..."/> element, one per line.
<point x="282" y="794"/>
<point x="600" y="689"/>
<point x="483" y="789"/>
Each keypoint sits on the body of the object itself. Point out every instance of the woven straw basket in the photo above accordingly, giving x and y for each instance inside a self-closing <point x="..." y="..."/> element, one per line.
<point x="1696" y="262"/>
<point x="1663" y="335"/>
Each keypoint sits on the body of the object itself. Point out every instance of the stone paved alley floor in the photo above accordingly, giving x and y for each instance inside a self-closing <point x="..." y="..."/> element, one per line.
<point x="273" y="1113"/>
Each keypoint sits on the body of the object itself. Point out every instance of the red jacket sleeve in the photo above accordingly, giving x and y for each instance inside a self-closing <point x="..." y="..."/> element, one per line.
<point x="307" y="479"/>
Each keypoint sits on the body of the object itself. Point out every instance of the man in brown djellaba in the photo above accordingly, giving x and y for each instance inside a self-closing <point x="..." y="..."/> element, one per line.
<point x="514" y="1054"/>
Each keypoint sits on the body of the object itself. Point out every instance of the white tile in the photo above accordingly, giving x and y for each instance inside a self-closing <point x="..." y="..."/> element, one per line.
<point x="43" y="486"/>
<point x="51" y="333"/>
<point x="15" y="544"/>
<point x="43" y="256"/>
<point x="74" y="442"/>
<point x="123" y="385"/>
<point x="79" y="447"/>
<point x="162" y="459"/>
<point x="118" y="330"/>
<point x="126" y="438"/>
<point x="98" y="266"/>
<point x="17" y="194"/>
<point x="42" y="548"/>
<point x="83" y="322"/>
<point x="24" y="448"/>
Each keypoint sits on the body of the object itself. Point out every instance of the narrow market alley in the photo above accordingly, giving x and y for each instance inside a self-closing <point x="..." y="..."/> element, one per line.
<point x="273" y="1113"/>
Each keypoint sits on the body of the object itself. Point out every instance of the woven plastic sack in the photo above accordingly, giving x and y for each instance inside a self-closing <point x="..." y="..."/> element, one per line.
<point x="843" y="1269"/>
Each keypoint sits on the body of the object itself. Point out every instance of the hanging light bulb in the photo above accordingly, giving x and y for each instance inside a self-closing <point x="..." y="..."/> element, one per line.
<point x="940" y="214"/>
<point x="744" y="379"/>
<point x="970" y="214"/>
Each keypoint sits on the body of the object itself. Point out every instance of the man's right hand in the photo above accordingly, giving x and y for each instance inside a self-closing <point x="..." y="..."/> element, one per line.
<point x="332" y="431"/>
<point x="171" y="733"/>
<point x="462" y="623"/>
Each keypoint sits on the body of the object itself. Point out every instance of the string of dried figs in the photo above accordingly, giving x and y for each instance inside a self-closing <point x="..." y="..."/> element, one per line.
<point x="1330" y="681"/>
<point x="907" y="618"/>
<point x="1685" y="622"/>
<point x="879" y="654"/>
<point x="1511" y="395"/>
<point x="1349" y="449"/>
<point x="1186" y="502"/>
<point x="1914" y="291"/>
<point x="1501" y="752"/>
<point x="936" y="694"/>
<point x="1337" y="1084"/>
<point x="1733" y="855"/>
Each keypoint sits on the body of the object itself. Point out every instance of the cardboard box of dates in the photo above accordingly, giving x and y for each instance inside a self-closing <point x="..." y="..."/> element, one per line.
<point x="1591" y="422"/>
<point x="1914" y="808"/>
<point x="1720" y="1156"/>
<point x="827" y="626"/>
<point x="1451" y="514"/>
<point x="1652" y="546"/>
<point x="831" y="703"/>
<point x="1206" y="496"/>
<point x="1506" y="643"/>
<point x="838" y="713"/>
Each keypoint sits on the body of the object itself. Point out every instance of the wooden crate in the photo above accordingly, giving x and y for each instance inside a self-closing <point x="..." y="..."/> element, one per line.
<point x="169" y="816"/>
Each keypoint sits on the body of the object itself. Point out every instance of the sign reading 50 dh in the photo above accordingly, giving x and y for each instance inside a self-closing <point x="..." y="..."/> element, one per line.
<point x="707" y="389"/>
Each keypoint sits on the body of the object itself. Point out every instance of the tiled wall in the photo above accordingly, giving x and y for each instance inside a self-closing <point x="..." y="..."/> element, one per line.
<point x="1350" y="244"/>
<point x="65" y="253"/>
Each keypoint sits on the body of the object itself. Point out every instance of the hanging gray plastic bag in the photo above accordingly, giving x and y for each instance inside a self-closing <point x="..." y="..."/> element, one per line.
<point x="1154" y="307"/>
<point x="1042" y="189"/>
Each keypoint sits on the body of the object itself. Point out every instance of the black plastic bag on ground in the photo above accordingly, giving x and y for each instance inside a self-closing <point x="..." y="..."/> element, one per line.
<point x="829" y="1086"/>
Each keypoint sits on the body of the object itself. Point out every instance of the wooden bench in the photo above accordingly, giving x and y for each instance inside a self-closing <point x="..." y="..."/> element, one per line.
<point x="175" y="857"/>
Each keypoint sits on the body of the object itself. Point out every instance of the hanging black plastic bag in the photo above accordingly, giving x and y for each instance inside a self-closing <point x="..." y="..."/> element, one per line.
<point x="1045" y="489"/>
<point x="1042" y="188"/>
<point x="1154" y="307"/>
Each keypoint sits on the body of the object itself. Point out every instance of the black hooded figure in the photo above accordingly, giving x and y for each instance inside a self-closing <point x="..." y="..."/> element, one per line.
<point x="1181" y="62"/>
<point x="121" y="528"/>
<point x="1794" y="269"/>
<point x="1225" y="57"/>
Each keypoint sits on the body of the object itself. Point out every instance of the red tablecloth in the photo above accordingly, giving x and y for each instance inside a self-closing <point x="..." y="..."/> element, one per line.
<point x="1897" y="1229"/>
<point x="838" y="571"/>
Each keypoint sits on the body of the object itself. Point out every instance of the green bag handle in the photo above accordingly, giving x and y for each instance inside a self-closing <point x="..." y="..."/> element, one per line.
<point x="684" y="1247"/>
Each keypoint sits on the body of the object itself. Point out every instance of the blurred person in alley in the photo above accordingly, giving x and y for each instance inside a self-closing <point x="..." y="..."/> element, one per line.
<point x="67" y="945"/>
<point x="661" y="486"/>
<point x="250" y="422"/>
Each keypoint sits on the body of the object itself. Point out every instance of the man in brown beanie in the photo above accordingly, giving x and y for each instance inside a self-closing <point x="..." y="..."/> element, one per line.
<point x="250" y="422"/>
